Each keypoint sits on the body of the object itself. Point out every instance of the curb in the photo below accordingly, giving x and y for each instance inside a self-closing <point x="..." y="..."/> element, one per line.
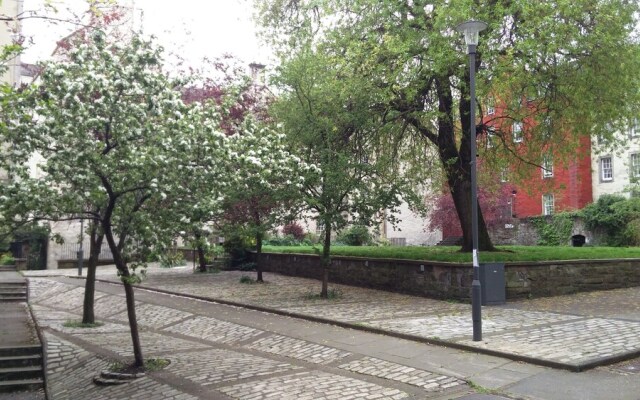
<point x="438" y="342"/>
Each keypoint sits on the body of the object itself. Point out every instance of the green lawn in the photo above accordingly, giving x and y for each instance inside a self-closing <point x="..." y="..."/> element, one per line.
<point x="452" y="254"/>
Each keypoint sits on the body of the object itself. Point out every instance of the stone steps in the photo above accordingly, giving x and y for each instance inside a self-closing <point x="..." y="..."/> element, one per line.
<point x="21" y="385"/>
<point x="13" y="292"/>
<point x="21" y="368"/>
<point x="7" y="268"/>
<point x="21" y="361"/>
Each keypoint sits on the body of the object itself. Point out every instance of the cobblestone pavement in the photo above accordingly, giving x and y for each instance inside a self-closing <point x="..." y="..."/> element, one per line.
<point x="565" y="333"/>
<point x="212" y="358"/>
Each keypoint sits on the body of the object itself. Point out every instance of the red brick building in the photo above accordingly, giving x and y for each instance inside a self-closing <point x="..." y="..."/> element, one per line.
<point x="553" y="187"/>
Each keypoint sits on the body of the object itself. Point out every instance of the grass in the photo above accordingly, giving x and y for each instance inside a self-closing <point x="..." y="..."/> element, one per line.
<point x="155" y="364"/>
<point x="332" y="294"/>
<point x="151" y="364"/>
<point x="453" y="254"/>
<point x="80" y="324"/>
<point x="247" y="279"/>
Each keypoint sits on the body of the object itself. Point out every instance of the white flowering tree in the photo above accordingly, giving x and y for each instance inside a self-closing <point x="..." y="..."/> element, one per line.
<point x="114" y="139"/>
<point x="268" y="179"/>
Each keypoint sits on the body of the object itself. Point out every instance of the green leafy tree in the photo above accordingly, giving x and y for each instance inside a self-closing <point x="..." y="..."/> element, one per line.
<point x="546" y="64"/>
<point x="325" y="112"/>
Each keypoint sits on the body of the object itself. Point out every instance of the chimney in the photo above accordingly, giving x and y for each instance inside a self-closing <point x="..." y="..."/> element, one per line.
<point x="257" y="73"/>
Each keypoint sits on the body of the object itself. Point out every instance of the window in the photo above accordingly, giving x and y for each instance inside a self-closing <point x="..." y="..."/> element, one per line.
<point x="547" y="128"/>
<point x="634" y="166"/>
<point x="547" y="204"/>
<point x="634" y="128"/>
<point x="491" y="107"/>
<point x="547" y="166"/>
<point x="516" y="129"/>
<point x="606" y="169"/>
<point x="319" y="228"/>
<point x="491" y="137"/>
<point x="504" y="175"/>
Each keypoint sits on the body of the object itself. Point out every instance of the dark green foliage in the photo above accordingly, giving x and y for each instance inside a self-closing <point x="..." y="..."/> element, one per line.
<point x="7" y="259"/>
<point x="247" y="266"/>
<point x="357" y="235"/>
<point x="237" y="246"/>
<point x="554" y="230"/>
<point x="617" y="217"/>
<point x="172" y="259"/>
<point x="286" y="240"/>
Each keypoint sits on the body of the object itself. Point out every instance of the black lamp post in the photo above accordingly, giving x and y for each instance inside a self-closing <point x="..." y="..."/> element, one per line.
<point x="80" y="253"/>
<point x="471" y="30"/>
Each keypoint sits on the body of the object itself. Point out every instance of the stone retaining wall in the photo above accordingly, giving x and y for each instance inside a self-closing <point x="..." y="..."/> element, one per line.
<point x="66" y="264"/>
<point x="453" y="280"/>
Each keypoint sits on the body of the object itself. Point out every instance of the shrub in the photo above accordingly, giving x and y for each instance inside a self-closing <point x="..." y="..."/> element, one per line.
<point x="287" y="240"/>
<point x="237" y="247"/>
<point x="294" y="229"/>
<point x="311" y="238"/>
<point x="554" y="230"/>
<point x="172" y="259"/>
<point x="617" y="216"/>
<point x="7" y="259"/>
<point x="357" y="235"/>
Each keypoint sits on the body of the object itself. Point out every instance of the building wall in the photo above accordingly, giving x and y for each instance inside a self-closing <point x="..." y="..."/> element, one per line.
<point x="621" y="159"/>
<point x="412" y="230"/>
<point x="571" y="186"/>
<point x="9" y="32"/>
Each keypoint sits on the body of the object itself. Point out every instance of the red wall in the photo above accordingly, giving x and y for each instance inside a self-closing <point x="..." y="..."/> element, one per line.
<point x="570" y="185"/>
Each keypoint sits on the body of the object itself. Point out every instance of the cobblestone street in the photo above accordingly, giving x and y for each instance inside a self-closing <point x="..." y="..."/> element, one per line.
<point x="210" y="358"/>
<point x="220" y="351"/>
<point x="567" y="335"/>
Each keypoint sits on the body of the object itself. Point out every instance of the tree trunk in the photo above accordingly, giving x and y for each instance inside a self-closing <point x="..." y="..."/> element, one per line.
<point x="456" y="162"/>
<point x="325" y="261"/>
<point x="88" y="315"/>
<point x="461" y="198"/>
<point x="125" y="275"/>
<point x="259" y="255"/>
<point x="202" y="260"/>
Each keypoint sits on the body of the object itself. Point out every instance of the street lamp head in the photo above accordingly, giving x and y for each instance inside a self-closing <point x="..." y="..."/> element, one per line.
<point x="471" y="30"/>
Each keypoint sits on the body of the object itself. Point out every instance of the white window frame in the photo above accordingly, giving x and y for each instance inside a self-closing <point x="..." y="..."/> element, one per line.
<point x="504" y="175"/>
<point x="606" y="171"/>
<point x="491" y="107"/>
<point x="548" y="204"/>
<point x="634" y="165"/>
<point x="634" y="128"/>
<point x="516" y="130"/>
<point x="547" y="166"/>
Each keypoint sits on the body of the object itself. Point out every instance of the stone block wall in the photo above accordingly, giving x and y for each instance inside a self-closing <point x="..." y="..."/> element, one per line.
<point x="453" y="280"/>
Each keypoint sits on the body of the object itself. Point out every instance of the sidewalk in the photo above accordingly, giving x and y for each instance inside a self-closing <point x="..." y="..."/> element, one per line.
<point x="16" y="327"/>
<point x="575" y="332"/>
